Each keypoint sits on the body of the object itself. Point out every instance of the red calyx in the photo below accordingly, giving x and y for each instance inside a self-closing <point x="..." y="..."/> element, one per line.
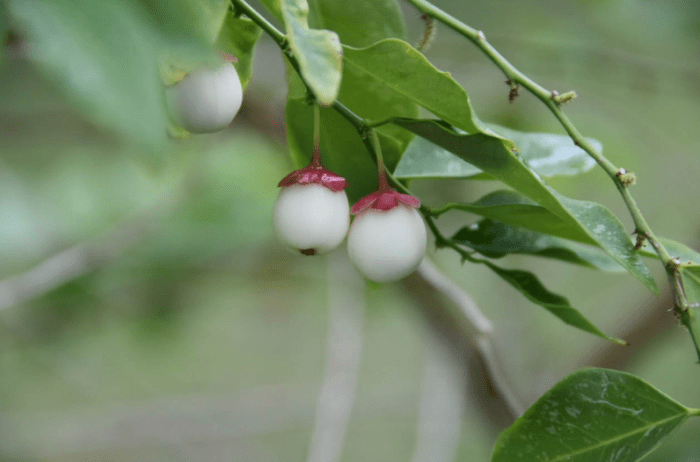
<point x="315" y="172"/>
<point x="385" y="198"/>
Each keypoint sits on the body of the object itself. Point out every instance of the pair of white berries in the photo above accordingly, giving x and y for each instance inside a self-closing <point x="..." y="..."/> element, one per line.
<point x="206" y="100"/>
<point x="387" y="239"/>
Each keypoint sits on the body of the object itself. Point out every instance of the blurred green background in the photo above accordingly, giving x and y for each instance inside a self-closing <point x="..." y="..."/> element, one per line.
<point x="177" y="328"/>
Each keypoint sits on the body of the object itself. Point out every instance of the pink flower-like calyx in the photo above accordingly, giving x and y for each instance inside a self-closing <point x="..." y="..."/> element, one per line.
<point x="315" y="172"/>
<point x="384" y="199"/>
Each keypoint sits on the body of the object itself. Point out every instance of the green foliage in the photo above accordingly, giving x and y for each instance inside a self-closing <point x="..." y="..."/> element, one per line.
<point x="495" y="240"/>
<point x="690" y="284"/>
<point x="517" y="209"/>
<point x="238" y="37"/>
<point x="530" y="286"/>
<point x="403" y="69"/>
<point x="681" y="251"/>
<point x="105" y="56"/>
<point x="317" y="52"/>
<point x="548" y="154"/>
<point x="343" y="151"/>
<point x="593" y="414"/>
<point x="498" y="158"/>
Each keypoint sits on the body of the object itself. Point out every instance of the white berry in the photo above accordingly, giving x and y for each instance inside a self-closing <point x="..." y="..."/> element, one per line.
<point x="206" y="100"/>
<point x="311" y="218"/>
<point x="386" y="245"/>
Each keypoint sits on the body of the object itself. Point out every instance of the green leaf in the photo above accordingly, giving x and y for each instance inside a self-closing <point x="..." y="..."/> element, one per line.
<point x="690" y="275"/>
<point x="690" y="280"/>
<point x="681" y="251"/>
<point x="397" y="65"/>
<point x="424" y="159"/>
<point x="104" y="57"/>
<point x="273" y="6"/>
<point x="592" y="415"/>
<point x="318" y="52"/>
<point x="495" y="239"/>
<point x="530" y="286"/>
<point x="238" y="36"/>
<point x="359" y="23"/>
<point x="496" y="157"/>
<point x="548" y="154"/>
<point x="517" y="209"/>
<point x="342" y="149"/>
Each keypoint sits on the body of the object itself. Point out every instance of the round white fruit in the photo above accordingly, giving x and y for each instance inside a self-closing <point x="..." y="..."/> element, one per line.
<point x="311" y="218"/>
<point x="206" y="100"/>
<point x="386" y="245"/>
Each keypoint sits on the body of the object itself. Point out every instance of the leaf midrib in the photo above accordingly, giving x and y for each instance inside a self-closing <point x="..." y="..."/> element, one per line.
<point x="618" y="438"/>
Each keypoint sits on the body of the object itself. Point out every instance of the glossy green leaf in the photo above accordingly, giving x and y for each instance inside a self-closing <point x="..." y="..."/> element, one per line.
<point x="342" y="149"/>
<point x="495" y="239"/>
<point x="691" y="283"/>
<point x="676" y="249"/>
<point x="104" y="56"/>
<point x="517" y="209"/>
<point x="548" y="154"/>
<point x="400" y="67"/>
<point x="530" y="286"/>
<point x="238" y="36"/>
<point x="359" y="23"/>
<point x="497" y="158"/>
<point x="318" y="52"/>
<point x="592" y="415"/>
<point x="690" y="280"/>
<point x="424" y="159"/>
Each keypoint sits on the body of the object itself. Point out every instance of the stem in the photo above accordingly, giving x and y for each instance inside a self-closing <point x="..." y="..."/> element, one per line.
<point x="316" y="160"/>
<point x="381" y="168"/>
<point x="264" y="24"/>
<point x="515" y="77"/>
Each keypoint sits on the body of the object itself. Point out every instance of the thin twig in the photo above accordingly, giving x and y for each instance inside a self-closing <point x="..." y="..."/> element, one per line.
<point x="346" y="293"/>
<point x="483" y="327"/>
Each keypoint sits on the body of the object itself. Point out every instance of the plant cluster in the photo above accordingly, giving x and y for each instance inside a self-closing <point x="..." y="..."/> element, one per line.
<point x="369" y="84"/>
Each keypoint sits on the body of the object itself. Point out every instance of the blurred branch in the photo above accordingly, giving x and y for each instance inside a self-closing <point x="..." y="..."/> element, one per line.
<point x="83" y="258"/>
<point x="647" y="324"/>
<point x="441" y="406"/>
<point x="484" y="329"/>
<point x="225" y="419"/>
<point x="346" y="305"/>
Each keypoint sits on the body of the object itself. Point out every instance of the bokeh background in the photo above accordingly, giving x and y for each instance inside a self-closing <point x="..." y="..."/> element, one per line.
<point x="147" y="312"/>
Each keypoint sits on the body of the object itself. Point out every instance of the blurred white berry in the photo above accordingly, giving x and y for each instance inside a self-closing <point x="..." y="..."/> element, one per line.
<point x="206" y="100"/>
<point x="312" y="213"/>
<point x="387" y="239"/>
